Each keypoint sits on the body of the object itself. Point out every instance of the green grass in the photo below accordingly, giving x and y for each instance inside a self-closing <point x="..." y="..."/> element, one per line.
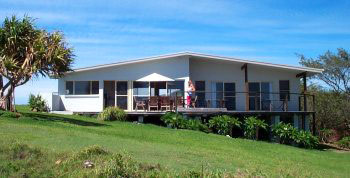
<point x="177" y="150"/>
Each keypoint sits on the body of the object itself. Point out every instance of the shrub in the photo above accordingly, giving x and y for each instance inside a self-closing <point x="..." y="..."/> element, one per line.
<point x="285" y="133"/>
<point x="196" y="124"/>
<point x="325" y="135"/>
<point x="251" y="127"/>
<point x="223" y="124"/>
<point x="37" y="103"/>
<point x="10" y="114"/>
<point x="90" y="151"/>
<point x="174" y="120"/>
<point x="305" y="139"/>
<point x="288" y="134"/>
<point x="344" y="142"/>
<point x="112" y="114"/>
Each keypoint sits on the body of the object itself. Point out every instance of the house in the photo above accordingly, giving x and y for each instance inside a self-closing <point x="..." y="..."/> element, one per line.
<point x="223" y="84"/>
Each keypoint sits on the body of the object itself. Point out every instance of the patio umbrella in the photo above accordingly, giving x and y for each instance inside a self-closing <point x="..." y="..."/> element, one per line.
<point x="155" y="78"/>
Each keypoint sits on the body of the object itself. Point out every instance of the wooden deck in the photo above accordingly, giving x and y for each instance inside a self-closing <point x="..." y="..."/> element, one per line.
<point x="215" y="111"/>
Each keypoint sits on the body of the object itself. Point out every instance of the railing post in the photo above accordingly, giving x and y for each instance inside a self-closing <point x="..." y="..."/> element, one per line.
<point x="286" y="103"/>
<point x="256" y="101"/>
<point x="305" y="102"/>
<point x="175" y="102"/>
<point x="313" y="103"/>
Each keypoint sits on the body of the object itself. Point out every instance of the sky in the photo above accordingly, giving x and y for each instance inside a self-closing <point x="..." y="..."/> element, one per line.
<point x="110" y="31"/>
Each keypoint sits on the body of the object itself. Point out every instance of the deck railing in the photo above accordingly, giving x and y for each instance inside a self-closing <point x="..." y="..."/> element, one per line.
<point x="247" y="101"/>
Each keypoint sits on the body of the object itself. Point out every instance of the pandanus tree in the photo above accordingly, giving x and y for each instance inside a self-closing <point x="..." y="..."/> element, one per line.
<point x="27" y="51"/>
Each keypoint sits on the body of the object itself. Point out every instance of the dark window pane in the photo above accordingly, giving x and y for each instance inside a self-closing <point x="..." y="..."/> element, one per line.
<point x="82" y="87"/>
<point x="284" y="84"/>
<point x="94" y="87"/>
<point x="176" y="87"/>
<point x="200" y="85"/>
<point x="122" y="102"/>
<point x="69" y="87"/>
<point x="230" y="89"/>
<point x="254" y="103"/>
<point x="254" y="89"/>
<point x="200" y="99"/>
<point x="230" y="103"/>
<point x="141" y="88"/>
<point x="284" y="90"/>
<point x="122" y="88"/>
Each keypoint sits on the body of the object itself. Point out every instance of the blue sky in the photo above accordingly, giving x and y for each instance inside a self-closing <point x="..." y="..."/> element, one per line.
<point x="110" y="31"/>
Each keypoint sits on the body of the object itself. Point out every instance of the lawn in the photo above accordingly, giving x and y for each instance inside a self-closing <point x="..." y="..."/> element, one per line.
<point x="176" y="150"/>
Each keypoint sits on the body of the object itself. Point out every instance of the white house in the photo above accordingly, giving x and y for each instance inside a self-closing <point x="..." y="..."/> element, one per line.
<point x="244" y="85"/>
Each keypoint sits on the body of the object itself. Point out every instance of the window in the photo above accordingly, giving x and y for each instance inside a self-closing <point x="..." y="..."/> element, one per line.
<point x="200" y="93"/>
<point x="82" y="87"/>
<point x="176" y="87"/>
<point x="230" y="96"/>
<point x="94" y="87"/>
<point x="284" y="90"/>
<point x="69" y="87"/>
<point x="122" y="94"/>
<point x="223" y="95"/>
<point x="141" y="91"/>
<point x="141" y="88"/>
<point x="259" y="95"/>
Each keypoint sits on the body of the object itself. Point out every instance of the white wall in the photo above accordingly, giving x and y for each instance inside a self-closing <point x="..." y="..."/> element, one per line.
<point x="175" y="68"/>
<point x="224" y="71"/>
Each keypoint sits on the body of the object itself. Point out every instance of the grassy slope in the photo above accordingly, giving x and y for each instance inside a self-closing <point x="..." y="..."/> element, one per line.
<point x="175" y="149"/>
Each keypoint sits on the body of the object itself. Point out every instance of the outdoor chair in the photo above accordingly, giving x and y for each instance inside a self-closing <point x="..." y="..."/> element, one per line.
<point x="165" y="102"/>
<point x="139" y="103"/>
<point x="153" y="103"/>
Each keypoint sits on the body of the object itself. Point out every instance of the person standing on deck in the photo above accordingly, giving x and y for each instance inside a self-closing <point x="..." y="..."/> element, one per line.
<point x="191" y="90"/>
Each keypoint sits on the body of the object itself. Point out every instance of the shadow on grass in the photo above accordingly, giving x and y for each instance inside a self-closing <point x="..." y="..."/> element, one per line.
<point x="56" y="118"/>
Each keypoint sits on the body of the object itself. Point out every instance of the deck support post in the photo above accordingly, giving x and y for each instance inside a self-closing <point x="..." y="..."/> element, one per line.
<point x="303" y="75"/>
<point x="245" y="68"/>
<point x="140" y="118"/>
<point x="296" y="121"/>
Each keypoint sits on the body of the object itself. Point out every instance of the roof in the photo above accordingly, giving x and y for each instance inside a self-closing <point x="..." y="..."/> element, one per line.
<point x="192" y="54"/>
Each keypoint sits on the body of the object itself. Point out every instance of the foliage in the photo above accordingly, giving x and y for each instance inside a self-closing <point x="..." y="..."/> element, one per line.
<point x="26" y="51"/>
<point x="174" y="120"/>
<point x="112" y="114"/>
<point x="223" y="124"/>
<point x="251" y="127"/>
<point x="325" y="134"/>
<point x="305" y="139"/>
<point x="10" y="114"/>
<point x="336" y="67"/>
<point x="196" y="124"/>
<point x="332" y="111"/>
<point x="37" y="103"/>
<point x="344" y="142"/>
<point x="287" y="134"/>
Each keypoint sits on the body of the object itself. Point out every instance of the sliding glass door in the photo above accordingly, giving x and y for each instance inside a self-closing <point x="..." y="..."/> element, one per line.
<point x="259" y="95"/>
<point x="223" y="95"/>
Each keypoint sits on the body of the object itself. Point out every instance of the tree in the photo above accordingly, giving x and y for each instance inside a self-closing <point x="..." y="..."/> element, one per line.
<point x="336" y="69"/>
<point x="26" y="52"/>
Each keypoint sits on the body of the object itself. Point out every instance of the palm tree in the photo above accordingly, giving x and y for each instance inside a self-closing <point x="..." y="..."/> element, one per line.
<point x="26" y="52"/>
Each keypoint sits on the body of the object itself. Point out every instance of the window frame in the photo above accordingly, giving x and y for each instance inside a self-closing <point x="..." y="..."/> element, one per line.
<point x="120" y="95"/>
<point x="90" y="87"/>
<point x="285" y="92"/>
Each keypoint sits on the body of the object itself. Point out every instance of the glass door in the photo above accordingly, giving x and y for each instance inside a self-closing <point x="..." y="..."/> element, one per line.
<point x="266" y="88"/>
<point x="109" y="93"/>
<point x="122" y="94"/>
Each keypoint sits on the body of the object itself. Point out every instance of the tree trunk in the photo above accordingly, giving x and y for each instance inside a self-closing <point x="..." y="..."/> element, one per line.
<point x="1" y="85"/>
<point x="257" y="133"/>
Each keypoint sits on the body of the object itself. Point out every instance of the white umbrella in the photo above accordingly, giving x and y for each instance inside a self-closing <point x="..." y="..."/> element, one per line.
<point x="155" y="78"/>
